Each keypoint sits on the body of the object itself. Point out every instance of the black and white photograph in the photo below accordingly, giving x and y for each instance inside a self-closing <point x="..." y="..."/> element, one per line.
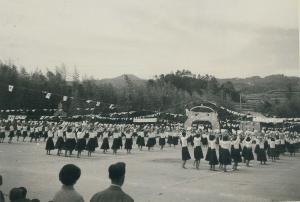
<point x="149" y="100"/>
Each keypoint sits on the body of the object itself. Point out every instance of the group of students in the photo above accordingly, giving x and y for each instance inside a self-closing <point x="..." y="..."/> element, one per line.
<point x="224" y="148"/>
<point x="68" y="176"/>
<point x="88" y="136"/>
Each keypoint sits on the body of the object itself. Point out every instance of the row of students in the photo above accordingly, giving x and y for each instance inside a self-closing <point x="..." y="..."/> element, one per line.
<point x="232" y="151"/>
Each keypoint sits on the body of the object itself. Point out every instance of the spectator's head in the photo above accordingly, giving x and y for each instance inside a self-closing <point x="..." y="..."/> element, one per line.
<point x="69" y="174"/>
<point x="15" y="194"/>
<point x="117" y="173"/>
<point x="24" y="191"/>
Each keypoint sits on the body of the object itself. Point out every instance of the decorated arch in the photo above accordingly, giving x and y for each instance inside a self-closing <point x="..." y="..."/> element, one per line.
<point x="202" y="114"/>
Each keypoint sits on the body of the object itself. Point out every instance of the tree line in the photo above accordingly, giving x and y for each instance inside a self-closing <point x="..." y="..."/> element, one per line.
<point x="167" y="92"/>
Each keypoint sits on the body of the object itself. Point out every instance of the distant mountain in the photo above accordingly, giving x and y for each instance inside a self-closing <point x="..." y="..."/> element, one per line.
<point x="120" y="81"/>
<point x="258" y="84"/>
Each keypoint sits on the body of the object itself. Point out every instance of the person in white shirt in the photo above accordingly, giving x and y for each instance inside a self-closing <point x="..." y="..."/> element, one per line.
<point x="211" y="155"/>
<point x="272" y="147"/>
<point x="105" y="143"/>
<point x="92" y="142"/>
<point x="198" y="154"/>
<point x="81" y="141"/>
<point x="162" y="140"/>
<point x="2" y="133"/>
<point x="247" y="150"/>
<point x="225" y="157"/>
<point x="140" y="141"/>
<point x="116" y="144"/>
<point x="260" y="151"/>
<point x="128" y="141"/>
<point x="70" y="141"/>
<point x="236" y="151"/>
<point x="185" y="154"/>
<point x="49" y="143"/>
<point x="11" y="133"/>
<point x="60" y="140"/>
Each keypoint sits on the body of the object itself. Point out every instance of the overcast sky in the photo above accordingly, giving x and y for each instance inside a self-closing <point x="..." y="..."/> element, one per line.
<point x="226" y="38"/>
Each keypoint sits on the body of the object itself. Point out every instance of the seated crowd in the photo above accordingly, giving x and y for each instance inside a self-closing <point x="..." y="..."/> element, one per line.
<point x="68" y="176"/>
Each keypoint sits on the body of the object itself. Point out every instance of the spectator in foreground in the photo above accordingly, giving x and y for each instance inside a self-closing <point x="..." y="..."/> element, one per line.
<point x="16" y="195"/>
<point x="68" y="175"/>
<point x="1" y="194"/>
<point x="114" y="193"/>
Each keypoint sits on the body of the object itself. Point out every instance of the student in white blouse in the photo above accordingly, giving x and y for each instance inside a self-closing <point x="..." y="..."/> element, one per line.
<point x="185" y="154"/>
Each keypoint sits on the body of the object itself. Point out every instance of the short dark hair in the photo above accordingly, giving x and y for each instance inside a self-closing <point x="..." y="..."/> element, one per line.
<point x="15" y="194"/>
<point x="69" y="174"/>
<point x="116" y="171"/>
<point x="24" y="191"/>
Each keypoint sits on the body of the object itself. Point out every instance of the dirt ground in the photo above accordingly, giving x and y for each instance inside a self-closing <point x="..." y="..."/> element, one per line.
<point x="150" y="176"/>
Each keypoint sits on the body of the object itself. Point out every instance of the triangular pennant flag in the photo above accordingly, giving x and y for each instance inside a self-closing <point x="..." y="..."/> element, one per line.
<point x="97" y="104"/>
<point x="48" y="95"/>
<point x="65" y="98"/>
<point x="10" y="88"/>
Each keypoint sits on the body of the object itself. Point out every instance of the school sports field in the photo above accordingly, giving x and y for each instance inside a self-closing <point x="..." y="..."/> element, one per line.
<point x="150" y="176"/>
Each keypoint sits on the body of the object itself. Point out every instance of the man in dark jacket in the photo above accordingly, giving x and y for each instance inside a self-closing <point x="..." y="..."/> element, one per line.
<point x="114" y="193"/>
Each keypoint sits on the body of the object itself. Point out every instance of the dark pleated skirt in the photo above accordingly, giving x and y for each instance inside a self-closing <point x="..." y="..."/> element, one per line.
<point x="24" y="134"/>
<point x="81" y="144"/>
<point x="261" y="155"/>
<point x="211" y="156"/>
<point x="291" y="148"/>
<point x="128" y="143"/>
<point x="248" y="154"/>
<point x="185" y="154"/>
<point x="151" y="142"/>
<point x="92" y="144"/>
<point x="115" y="144"/>
<point x="70" y="144"/>
<point x="162" y="141"/>
<point x="50" y="144"/>
<point x="59" y="143"/>
<point x="170" y="141"/>
<point x="236" y="155"/>
<point x="19" y="133"/>
<point x="198" y="154"/>
<point x="105" y="144"/>
<point x="2" y="135"/>
<point x="225" y="157"/>
<point x="11" y="134"/>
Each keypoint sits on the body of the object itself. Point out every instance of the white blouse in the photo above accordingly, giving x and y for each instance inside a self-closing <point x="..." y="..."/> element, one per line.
<point x="212" y="144"/>
<point x="184" y="141"/>
<point x="70" y="135"/>
<point x="197" y="141"/>
<point x="225" y="144"/>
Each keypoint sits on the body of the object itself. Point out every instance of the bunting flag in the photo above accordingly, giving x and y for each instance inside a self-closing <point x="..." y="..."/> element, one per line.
<point x="65" y="98"/>
<point x="10" y="88"/>
<point x="48" y="95"/>
<point x="97" y="104"/>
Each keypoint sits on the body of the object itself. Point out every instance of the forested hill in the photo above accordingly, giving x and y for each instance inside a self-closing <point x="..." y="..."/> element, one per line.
<point x="258" y="84"/>
<point x="169" y="92"/>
